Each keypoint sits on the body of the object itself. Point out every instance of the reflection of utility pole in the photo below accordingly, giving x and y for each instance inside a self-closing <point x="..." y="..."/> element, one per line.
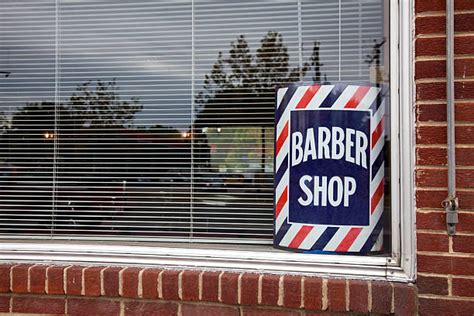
<point x="5" y="73"/>
<point x="374" y="58"/>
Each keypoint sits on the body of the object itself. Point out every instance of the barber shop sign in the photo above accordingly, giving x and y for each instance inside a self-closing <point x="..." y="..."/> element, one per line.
<point x="329" y="168"/>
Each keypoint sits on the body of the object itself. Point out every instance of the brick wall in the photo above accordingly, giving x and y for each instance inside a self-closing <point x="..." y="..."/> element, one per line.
<point x="112" y="290"/>
<point x="445" y="264"/>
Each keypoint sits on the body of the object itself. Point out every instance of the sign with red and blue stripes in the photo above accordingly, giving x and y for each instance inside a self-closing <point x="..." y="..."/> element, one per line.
<point x="329" y="168"/>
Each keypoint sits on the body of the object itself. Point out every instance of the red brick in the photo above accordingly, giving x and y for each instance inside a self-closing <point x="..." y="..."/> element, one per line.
<point x="150" y="283"/>
<point x="434" y="135"/>
<point x="405" y="299"/>
<point x="463" y="287"/>
<point x="190" y="285"/>
<point x="313" y="293"/>
<point x="5" y="278"/>
<point x="55" y="279"/>
<point x="442" y="307"/>
<point x="465" y="89"/>
<point x="137" y="308"/>
<point x="463" y="244"/>
<point x="445" y="264"/>
<point x="431" y="156"/>
<point x="431" y="5"/>
<point x="38" y="279"/>
<point x="169" y="284"/>
<point x="111" y="281"/>
<point x="440" y="5"/>
<point x="437" y="24"/>
<point x="358" y="296"/>
<point x="4" y="304"/>
<point x="439" y="178"/>
<point x="463" y="22"/>
<point x="210" y="286"/>
<point x="466" y="203"/>
<point x="270" y="288"/>
<point x="130" y="282"/>
<point x="430" y="69"/>
<point x="430" y="198"/>
<point x="337" y="295"/>
<point x="432" y="285"/>
<point x="463" y="45"/>
<point x="74" y="280"/>
<point x="259" y="311"/>
<point x="88" y="307"/>
<point x="431" y="220"/>
<point x="22" y="304"/>
<point x="432" y="242"/>
<point x="437" y="46"/>
<point x="466" y="222"/>
<point x="292" y="291"/>
<point x="430" y="46"/>
<point x="249" y="289"/>
<point x="208" y="310"/>
<point x="381" y="297"/>
<point x="464" y="112"/>
<point x="430" y="24"/>
<point x="431" y="91"/>
<point x="19" y="277"/>
<point x="92" y="281"/>
<point x="229" y="287"/>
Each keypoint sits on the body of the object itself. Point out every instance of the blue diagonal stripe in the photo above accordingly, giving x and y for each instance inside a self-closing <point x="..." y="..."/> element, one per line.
<point x="281" y="233"/>
<point x="373" y="236"/>
<point x="284" y="102"/>
<point x="281" y="171"/>
<point x="378" y="163"/>
<point x="332" y="97"/>
<point x="325" y="238"/>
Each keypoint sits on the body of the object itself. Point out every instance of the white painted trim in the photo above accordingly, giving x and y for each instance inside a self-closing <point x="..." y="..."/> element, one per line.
<point x="400" y="267"/>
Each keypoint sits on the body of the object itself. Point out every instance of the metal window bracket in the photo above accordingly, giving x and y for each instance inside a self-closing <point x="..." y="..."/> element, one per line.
<point x="451" y="205"/>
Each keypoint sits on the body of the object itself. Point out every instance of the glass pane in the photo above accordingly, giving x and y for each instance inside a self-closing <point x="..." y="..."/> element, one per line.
<point x="27" y="111"/>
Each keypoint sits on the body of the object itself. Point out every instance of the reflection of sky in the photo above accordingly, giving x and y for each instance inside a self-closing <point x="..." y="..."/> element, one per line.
<point x="147" y="45"/>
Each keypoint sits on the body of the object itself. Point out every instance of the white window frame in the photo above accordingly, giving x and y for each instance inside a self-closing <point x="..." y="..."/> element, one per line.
<point x="400" y="266"/>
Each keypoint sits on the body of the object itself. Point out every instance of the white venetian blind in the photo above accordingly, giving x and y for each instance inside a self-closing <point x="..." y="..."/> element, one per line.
<point x="154" y="119"/>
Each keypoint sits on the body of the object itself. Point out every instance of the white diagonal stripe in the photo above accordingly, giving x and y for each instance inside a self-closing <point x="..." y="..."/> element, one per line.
<point x="280" y="94"/>
<point x="337" y="238"/>
<point x="290" y="234"/>
<point x="345" y="96"/>
<point x="319" y="97"/>
<point x="300" y="91"/>
<point x="312" y="237"/>
<point x="368" y="98"/>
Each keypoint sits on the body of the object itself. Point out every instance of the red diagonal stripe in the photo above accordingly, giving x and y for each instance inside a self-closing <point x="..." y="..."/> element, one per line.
<point x="281" y="201"/>
<point x="347" y="242"/>
<point x="377" y="133"/>
<point x="308" y="95"/>
<point x="358" y="95"/>
<point x="377" y="196"/>
<point x="300" y="236"/>
<point x="281" y="138"/>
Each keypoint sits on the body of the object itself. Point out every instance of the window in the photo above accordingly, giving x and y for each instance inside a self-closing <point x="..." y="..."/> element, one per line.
<point x="153" y="120"/>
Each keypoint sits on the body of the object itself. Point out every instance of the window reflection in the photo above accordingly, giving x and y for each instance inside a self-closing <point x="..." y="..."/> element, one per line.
<point x="158" y="120"/>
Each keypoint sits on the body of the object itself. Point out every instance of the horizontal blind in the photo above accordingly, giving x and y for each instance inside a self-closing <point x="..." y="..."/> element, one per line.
<point x="27" y="95"/>
<point x="154" y="119"/>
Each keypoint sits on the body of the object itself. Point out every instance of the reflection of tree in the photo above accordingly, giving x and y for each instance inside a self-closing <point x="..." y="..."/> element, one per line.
<point x="101" y="106"/>
<point x="240" y="87"/>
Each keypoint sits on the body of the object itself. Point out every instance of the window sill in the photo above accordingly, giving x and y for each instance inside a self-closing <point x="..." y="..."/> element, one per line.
<point x="249" y="258"/>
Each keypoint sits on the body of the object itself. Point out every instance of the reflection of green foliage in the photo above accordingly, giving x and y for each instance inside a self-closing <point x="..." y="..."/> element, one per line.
<point x="238" y="147"/>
